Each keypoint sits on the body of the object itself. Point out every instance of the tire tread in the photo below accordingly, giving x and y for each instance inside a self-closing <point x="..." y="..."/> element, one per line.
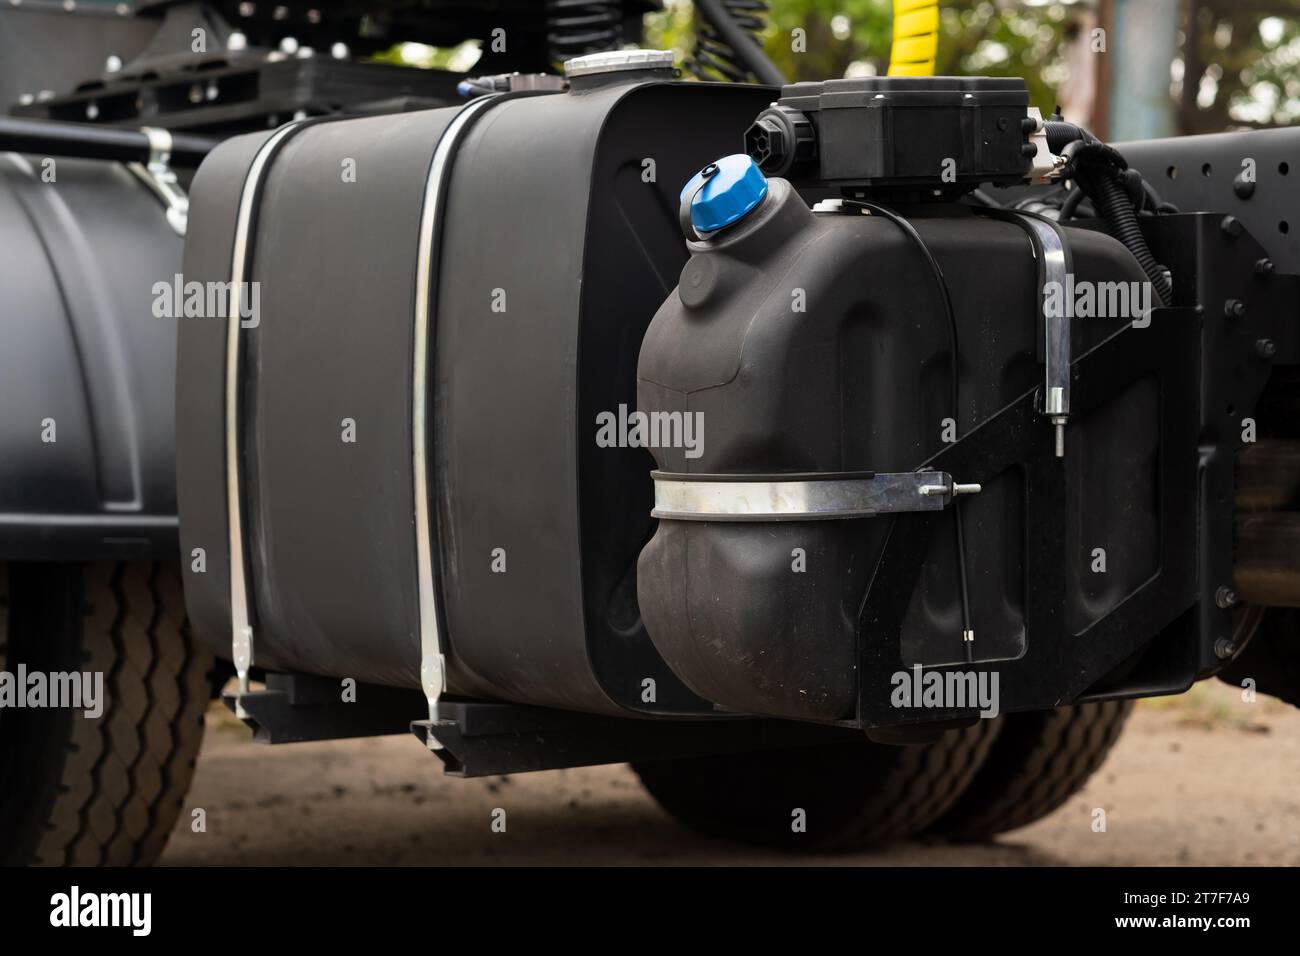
<point x="124" y="776"/>
<point x="1037" y="763"/>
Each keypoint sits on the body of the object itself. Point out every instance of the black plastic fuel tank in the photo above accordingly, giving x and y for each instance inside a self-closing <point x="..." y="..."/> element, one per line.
<point x="554" y="242"/>
<point x="87" y="358"/>
<point x="817" y="342"/>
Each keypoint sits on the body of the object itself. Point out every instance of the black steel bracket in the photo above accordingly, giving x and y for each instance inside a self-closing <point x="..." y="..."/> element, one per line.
<point x="1057" y="666"/>
<point x="476" y="738"/>
<point x="1211" y="365"/>
<point x="483" y="738"/>
<point x="300" y="707"/>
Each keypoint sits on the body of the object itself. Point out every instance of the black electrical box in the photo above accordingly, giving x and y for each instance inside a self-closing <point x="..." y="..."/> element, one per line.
<point x="943" y="133"/>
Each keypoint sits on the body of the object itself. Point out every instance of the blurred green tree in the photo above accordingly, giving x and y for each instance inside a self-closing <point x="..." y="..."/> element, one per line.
<point x="1241" y="68"/>
<point x="852" y="37"/>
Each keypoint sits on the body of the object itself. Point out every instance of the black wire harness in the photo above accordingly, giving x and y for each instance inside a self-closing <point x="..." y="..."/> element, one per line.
<point x="1103" y="186"/>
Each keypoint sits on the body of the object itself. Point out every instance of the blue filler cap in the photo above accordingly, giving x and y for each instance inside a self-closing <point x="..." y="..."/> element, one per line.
<point x="729" y="194"/>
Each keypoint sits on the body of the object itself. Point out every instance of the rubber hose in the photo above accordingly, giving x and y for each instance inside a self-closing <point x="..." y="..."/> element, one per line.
<point x="1117" y="210"/>
<point x="1072" y="202"/>
<point x="1061" y="134"/>
<point x="1112" y="202"/>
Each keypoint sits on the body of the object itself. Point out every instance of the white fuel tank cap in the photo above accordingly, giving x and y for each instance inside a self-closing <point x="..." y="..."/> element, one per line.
<point x="618" y="61"/>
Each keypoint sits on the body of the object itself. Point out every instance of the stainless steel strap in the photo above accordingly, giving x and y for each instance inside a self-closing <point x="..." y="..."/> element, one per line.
<point x="432" y="655"/>
<point x="1057" y="344"/>
<point x="240" y="607"/>
<point x="801" y="498"/>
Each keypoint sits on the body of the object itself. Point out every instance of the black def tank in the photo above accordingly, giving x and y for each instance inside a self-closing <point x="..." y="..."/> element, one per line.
<point x="815" y="342"/>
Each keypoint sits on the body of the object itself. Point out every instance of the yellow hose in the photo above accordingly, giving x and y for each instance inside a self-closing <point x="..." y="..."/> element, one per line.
<point x="916" y="38"/>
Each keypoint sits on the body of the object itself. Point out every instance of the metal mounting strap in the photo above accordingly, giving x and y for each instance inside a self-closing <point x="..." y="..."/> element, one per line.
<point x="240" y="266"/>
<point x="159" y="176"/>
<point x="801" y="497"/>
<point x="432" y="655"/>
<point x="1050" y="246"/>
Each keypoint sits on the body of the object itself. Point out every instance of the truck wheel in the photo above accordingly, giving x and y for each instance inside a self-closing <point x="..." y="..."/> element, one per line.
<point x="80" y="790"/>
<point x="1038" y="761"/>
<point x="853" y="795"/>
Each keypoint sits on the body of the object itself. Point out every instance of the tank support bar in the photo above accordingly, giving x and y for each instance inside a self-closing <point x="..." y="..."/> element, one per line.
<point x="481" y="738"/>
<point x="87" y="141"/>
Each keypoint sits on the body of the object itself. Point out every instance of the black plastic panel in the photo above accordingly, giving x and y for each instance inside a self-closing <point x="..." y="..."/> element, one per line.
<point x="80" y="345"/>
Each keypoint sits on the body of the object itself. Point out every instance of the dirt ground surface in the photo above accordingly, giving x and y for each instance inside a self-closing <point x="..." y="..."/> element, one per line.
<point x="1203" y="779"/>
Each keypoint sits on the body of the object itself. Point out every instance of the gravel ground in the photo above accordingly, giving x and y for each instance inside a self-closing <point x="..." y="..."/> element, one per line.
<point x="1204" y="779"/>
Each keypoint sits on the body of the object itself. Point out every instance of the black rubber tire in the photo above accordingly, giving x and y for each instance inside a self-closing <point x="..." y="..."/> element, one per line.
<point x="76" y="790"/>
<point x="1038" y="761"/>
<point x="854" y="795"/>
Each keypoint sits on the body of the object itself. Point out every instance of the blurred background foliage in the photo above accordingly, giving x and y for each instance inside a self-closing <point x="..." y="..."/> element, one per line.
<point x="1244" y="66"/>
<point x="1240" y="68"/>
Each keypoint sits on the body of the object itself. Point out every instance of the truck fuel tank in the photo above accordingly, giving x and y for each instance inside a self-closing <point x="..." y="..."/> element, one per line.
<point x="401" y="451"/>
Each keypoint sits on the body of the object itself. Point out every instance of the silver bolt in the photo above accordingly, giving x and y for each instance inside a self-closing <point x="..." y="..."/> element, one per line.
<point x="1225" y="597"/>
<point x="1224" y="648"/>
<point x="942" y="491"/>
<point x="113" y="64"/>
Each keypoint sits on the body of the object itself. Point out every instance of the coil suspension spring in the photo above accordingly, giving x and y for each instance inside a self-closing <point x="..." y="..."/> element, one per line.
<point x="714" y="57"/>
<point x="575" y="27"/>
